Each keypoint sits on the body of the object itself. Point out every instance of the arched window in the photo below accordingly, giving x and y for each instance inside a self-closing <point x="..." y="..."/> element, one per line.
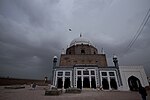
<point x="134" y="83"/>
<point x="82" y="51"/>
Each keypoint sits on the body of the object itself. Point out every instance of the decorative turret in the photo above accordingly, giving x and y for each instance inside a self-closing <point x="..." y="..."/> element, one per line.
<point x="54" y="61"/>
<point x="115" y="60"/>
<point x="54" y="65"/>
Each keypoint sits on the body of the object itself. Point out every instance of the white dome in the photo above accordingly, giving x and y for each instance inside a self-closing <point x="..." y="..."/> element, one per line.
<point x="55" y="57"/>
<point x="114" y="56"/>
<point x="80" y="40"/>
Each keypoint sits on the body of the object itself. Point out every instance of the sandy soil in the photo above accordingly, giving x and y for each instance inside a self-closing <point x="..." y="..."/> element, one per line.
<point x="38" y="94"/>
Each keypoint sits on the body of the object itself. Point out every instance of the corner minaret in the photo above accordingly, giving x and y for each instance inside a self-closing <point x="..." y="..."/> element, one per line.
<point x="54" y="61"/>
<point x="115" y="60"/>
<point x="80" y="35"/>
<point x="54" y="68"/>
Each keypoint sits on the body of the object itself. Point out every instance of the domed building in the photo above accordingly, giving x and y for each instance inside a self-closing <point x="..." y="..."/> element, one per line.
<point x="81" y="51"/>
<point x="82" y="66"/>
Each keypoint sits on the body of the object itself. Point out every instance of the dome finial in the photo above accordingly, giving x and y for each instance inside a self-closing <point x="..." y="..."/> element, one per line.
<point x="80" y="34"/>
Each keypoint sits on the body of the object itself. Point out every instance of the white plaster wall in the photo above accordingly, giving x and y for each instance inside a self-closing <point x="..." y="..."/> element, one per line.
<point x="137" y="71"/>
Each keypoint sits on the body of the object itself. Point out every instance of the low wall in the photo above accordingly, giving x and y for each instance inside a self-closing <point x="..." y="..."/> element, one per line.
<point x="14" y="81"/>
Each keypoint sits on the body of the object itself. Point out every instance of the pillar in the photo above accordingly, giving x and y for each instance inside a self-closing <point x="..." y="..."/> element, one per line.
<point x="90" y="77"/>
<point x="82" y="77"/>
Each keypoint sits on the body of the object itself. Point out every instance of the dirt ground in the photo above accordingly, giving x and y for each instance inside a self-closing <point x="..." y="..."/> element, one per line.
<point x="38" y="94"/>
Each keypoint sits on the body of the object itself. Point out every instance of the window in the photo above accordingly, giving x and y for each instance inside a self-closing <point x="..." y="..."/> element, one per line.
<point x="60" y="73"/>
<point x="82" y="51"/>
<point x="111" y="74"/>
<point x="67" y="73"/>
<point x="104" y="73"/>
<point x="92" y="72"/>
<point x="79" y="72"/>
<point x="86" y="72"/>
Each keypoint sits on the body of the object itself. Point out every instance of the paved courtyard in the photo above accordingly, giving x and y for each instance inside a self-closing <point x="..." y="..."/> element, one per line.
<point x="38" y="94"/>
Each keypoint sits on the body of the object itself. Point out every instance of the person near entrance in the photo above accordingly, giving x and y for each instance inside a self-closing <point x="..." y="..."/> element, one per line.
<point x="143" y="92"/>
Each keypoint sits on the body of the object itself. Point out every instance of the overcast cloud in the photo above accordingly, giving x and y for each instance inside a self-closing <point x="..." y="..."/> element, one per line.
<point x="33" y="31"/>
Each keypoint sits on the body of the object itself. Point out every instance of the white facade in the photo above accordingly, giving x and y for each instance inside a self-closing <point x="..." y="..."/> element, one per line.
<point x="99" y="75"/>
<point x="94" y="76"/>
<point x="74" y="72"/>
<point x="136" y="71"/>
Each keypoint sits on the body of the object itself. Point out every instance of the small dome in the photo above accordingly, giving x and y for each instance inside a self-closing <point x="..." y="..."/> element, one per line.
<point x="55" y="57"/>
<point x="114" y="56"/>
<point x="80" y="40"/>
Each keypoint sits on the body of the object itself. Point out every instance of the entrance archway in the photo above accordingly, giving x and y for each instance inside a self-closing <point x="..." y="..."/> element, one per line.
<point x="59" y="83"/>
<point x="105" y="83"/>
<point x="93" y="83"/>
<point x="67" y="83"/>
<point x="113" y="83"/>
<point x="134" y="83"/>
<point x="86" y="82"/>
<point x="79" y="83"/>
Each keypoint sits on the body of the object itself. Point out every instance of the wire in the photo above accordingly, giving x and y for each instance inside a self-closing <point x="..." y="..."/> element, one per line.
<point x="139" y="31"/>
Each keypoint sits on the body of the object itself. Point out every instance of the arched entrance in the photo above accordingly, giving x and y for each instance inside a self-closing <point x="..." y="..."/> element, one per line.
<point x="105" y="83"/>
<point x="79" y="83"/>
<point x="93" y="83"/>
<point x="86" y="82"/>
<point x="113" y="83"/>
<point x="134" y="83"/>
<point x="59" y="83"/>
<point x="67" y="83"/>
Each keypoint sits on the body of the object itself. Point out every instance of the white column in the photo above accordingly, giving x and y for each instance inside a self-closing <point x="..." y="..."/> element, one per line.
<point x="109" y="80"/>
<point x="63" y="79"/>
<point x="82" y="77"/>
<point x="55" y="82"/>
<point x="82" y="82"/>
<point x="75" y="78"/>
<point x="109" y="83"/>
<point x="116" y="79"/>
<point x="90" y="77"/>
<point x="96" y="77"/>
<point x="101" y="80"/>
<point x="70" y="81"/>
<point x="76" y="81"/>
<point x="70" y="78"/>
<point x="90" y="81"/>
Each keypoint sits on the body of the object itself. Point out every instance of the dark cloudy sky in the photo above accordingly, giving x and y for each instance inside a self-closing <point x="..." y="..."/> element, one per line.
<point x="33" y="31"/>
